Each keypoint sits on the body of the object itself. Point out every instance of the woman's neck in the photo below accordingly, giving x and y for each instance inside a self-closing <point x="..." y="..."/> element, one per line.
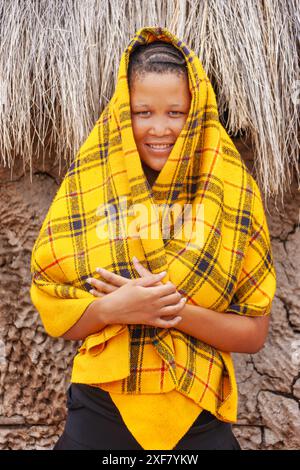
<point x="150" y="174"/>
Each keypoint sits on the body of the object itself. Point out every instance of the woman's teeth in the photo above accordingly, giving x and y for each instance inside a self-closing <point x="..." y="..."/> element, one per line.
<point x="160" y="146"/>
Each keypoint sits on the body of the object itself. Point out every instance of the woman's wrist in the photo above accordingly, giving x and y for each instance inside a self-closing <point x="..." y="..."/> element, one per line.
<point x="105" y="309"/>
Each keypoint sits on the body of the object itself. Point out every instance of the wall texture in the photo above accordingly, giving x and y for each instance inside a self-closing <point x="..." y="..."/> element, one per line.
<point x="35" y="368"/>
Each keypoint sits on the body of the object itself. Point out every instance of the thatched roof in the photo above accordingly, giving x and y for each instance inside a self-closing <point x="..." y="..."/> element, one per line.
<point x="59" y="61"/>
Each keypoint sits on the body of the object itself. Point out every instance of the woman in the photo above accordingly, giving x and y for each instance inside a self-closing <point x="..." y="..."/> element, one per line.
<point x="159" y="198"/>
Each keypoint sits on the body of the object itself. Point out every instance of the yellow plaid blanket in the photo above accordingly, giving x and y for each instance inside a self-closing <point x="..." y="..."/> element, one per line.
<point x="160" y="379"/>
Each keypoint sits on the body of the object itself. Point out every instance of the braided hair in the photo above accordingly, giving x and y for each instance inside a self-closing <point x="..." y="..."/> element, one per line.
<point x="158" y="57"/>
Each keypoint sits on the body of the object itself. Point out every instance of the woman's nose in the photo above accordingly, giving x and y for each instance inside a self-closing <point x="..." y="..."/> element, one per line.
<point x="160" y="129"/>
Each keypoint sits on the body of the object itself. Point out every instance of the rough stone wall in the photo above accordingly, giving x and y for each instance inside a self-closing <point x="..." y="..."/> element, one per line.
<point x="35" y="368"/>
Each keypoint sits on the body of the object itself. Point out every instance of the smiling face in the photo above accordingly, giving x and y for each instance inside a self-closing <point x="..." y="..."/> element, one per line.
<point x="159" y="108"/>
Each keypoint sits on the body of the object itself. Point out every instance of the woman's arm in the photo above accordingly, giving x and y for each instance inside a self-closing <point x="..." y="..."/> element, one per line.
<point x="90" y="322"/>
<point x="136" y="301"/>
<point x="225" y="331"/>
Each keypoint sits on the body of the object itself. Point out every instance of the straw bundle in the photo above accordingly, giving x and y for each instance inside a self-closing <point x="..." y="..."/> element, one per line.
<point x="59" y="60"/>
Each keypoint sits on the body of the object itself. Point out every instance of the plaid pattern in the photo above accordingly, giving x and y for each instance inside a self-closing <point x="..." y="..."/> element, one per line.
<point x="231" y="272"/>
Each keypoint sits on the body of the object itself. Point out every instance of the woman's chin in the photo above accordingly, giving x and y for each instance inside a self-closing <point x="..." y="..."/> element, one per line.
<point x="156" y="164"/>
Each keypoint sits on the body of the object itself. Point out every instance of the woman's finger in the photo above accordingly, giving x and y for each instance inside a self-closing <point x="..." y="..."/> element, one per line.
<point x="96" y="293"/>
<point x="140" y="268"/>
<point x="163" y="289"/>
<point x="143" y="272"/>
<point x="112" y="278"/>
<point x="171" y="299"/>
<point x="101" y="286"/>
<point x="167" y="324"/>
<point x="149" y="280"/>
<point x="173" y="309"/>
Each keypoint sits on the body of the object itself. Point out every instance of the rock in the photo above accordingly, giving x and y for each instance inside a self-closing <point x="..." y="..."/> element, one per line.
<point x="35" y="368"/>
<point x="280" y="415"/>
<point x="296" y="389"/>
<point x="249" y="437"/>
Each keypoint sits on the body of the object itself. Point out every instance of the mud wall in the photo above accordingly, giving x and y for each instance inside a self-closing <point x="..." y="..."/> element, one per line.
<point x="35" y="368"/>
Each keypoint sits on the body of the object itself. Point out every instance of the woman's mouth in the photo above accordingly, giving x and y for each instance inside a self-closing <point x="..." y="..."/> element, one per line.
<point x="159" y="148"/>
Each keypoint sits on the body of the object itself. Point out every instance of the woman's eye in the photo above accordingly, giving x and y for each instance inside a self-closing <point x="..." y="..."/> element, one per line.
<point x="145" y="113"/>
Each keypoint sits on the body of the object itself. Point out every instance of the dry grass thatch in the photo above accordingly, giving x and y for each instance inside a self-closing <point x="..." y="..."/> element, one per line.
<point x="59" y="60"/>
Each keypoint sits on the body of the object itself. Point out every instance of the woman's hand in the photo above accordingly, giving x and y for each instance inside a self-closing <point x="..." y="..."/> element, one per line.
<point x="164" y="302"/>
<point x="114" y="281"/>
<point x="140" y="301"/>
<point x="145" y="272"/>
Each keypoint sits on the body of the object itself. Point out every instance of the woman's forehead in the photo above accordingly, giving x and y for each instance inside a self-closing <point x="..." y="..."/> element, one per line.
<point x="169" y="86"/>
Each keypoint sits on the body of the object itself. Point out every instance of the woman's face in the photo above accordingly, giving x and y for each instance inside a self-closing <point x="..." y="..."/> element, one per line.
<point x="159" y="107"/>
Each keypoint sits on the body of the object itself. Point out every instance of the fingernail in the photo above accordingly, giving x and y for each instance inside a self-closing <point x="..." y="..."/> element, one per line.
<point x="98" y="270"/>
<point x="89" y="280"/>
<point x="134" y="258"/>
<point x="183" y="299"/>
<point x="162" y="273"/>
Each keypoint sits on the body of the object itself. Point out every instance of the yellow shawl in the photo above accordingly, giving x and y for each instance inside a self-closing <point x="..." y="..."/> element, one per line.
<point x="160" y="379"/>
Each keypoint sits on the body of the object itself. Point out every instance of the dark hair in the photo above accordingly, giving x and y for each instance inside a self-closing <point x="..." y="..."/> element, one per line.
<point x="157" y="57"/>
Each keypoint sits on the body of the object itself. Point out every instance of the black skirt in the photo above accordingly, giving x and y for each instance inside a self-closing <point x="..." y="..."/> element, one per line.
<point x="95" y="423"/>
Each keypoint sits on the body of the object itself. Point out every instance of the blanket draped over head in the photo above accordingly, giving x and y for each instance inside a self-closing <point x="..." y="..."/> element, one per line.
<point x="160" y="379"/>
